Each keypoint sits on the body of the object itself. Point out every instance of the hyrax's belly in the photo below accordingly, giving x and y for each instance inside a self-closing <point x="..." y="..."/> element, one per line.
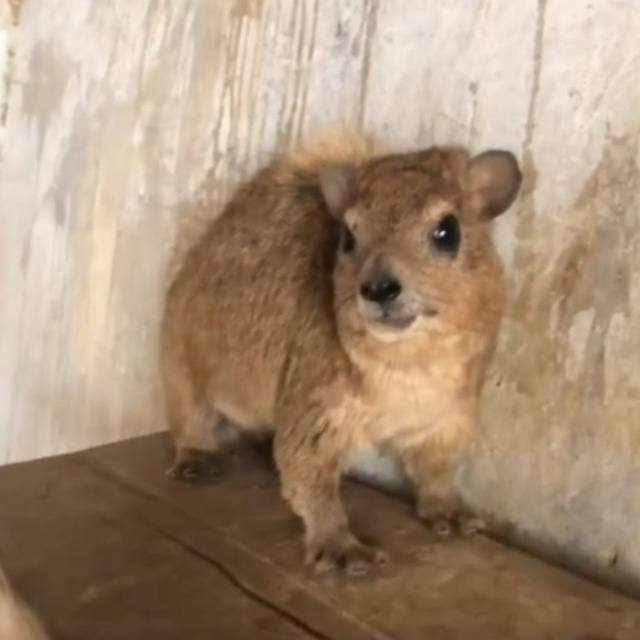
<point x="403" y="412"/>
<point x="242" y="416"/>
<point x="378" y="466"/>
<point x="374" y="457"/>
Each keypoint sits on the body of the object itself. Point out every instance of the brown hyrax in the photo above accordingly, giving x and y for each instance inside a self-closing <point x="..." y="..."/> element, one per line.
<point x="343" y="299"/>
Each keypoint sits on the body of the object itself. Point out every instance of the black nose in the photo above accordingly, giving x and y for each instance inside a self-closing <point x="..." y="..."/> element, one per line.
<point x="381" y="290"/>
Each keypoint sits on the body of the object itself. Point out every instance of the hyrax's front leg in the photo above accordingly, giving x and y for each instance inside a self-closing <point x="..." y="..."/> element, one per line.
<point x="432" y="465"/>
<point x="310" y="454"/>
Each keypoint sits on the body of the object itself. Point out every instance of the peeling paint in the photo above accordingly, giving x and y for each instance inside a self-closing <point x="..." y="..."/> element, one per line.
<point x="9" y="17"/>
<point x="577" y="343"/>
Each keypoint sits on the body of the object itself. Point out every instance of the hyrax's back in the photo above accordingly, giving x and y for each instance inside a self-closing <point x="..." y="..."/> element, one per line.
<point x="254" y="289"/>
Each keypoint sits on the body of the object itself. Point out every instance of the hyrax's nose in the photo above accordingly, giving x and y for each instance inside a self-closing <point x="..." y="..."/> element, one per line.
<point x="380" y="288"/>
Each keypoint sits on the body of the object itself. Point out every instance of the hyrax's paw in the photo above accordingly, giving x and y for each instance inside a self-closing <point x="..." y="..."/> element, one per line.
<point x="469" y="524"/>
<point x="445" y="523"/>
<point x="195" y="465"/>
<point x="344" y="553"/>
<point x="442" y="526"/>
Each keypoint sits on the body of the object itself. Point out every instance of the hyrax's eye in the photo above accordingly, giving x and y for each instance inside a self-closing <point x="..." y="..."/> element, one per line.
<point x="446" y="234"/>
<point x="347" y="239"/>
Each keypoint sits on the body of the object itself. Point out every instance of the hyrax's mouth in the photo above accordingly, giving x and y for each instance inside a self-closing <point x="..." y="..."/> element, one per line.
<point x="393" y="321"/>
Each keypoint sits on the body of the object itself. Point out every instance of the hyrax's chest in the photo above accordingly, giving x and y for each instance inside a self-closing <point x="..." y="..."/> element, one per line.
<point x="408" y="404"/>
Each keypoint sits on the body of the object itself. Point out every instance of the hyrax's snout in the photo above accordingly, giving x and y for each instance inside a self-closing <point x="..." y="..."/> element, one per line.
<point x="381" y="296"/>
<point x="380" y="288"/>
<point x="378" y="283"/>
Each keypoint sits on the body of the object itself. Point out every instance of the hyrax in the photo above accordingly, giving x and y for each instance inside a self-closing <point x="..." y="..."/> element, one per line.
<point x="343" y="299"/>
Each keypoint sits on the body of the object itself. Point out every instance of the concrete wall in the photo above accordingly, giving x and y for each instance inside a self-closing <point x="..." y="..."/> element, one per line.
<point x="128" y="120"/>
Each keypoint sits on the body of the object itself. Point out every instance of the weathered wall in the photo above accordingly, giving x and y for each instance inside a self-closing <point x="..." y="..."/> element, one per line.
<point x="121" y="112"/>
<point x="9" y="16"/>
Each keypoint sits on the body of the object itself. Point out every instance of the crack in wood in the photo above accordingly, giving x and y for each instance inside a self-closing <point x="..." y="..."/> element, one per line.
<point x="356" y="628"/>
<point x="237" y="582"/>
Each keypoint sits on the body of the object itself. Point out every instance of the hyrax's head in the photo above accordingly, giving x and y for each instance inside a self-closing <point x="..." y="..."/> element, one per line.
<point x="415" y="252"/>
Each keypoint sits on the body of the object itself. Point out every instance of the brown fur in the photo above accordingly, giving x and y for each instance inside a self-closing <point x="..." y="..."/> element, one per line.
<point x="265" y="326"/>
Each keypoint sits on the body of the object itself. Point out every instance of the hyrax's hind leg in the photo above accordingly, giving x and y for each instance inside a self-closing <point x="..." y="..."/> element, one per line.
<point x="193" y="424"/>
<point x="310" y="457"/>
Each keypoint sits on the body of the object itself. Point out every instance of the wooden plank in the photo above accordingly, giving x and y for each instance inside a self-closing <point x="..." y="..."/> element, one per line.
<point x="97" y="561"/>
<point x="104" y="546"/>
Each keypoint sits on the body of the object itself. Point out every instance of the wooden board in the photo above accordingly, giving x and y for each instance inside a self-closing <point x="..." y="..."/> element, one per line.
<point x="104" y="546"/>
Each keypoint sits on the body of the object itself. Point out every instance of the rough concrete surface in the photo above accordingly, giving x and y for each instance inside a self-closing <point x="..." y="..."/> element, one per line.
<point x="129" y="121"/>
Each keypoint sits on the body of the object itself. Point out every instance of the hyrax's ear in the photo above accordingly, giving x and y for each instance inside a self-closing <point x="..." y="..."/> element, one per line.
<point x="494" y="180"/>
<point x="338" y="185"/>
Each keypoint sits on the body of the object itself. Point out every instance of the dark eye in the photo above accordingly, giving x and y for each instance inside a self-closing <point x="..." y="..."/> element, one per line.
<point x="347" y="240"/>
<point x="446" y="235"/>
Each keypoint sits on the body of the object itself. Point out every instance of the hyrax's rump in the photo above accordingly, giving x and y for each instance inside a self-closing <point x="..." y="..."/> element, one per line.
<point x="343" y="299"/>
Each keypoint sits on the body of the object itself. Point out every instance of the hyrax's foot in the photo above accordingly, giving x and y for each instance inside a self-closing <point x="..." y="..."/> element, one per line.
<point x="195" y="465"/>
<point x="469" y="524"/>
<point x="341" y="551"/>
<point x="445" y="523"/>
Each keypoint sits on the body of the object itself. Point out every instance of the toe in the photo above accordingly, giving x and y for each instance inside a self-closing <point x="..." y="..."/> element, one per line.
<point x="347" y="556"/>
<point x="193" y="465"/>
<point x="471" y="524"/>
